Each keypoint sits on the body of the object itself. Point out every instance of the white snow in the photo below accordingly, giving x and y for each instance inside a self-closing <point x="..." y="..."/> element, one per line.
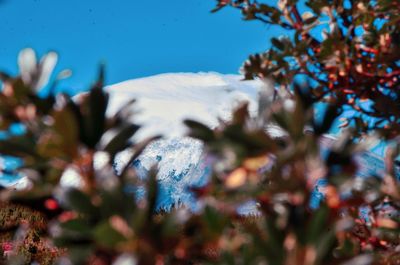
<point x="164" y="101"/>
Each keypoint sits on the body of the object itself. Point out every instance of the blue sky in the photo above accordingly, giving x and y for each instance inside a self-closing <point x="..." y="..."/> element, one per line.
<point x="134" y="38"/>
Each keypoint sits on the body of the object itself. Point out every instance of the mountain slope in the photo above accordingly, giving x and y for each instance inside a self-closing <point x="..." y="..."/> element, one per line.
<point x="163" y="102"/>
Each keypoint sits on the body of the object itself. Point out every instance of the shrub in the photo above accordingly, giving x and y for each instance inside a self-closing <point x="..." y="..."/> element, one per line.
<point x="102" y="222"/>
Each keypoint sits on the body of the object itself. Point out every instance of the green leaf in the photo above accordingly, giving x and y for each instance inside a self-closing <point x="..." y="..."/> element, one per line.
<point x="20" y="146"/>
<point x="93" y="111"/>
<point x="76" y="225"/>
<point x="79" y="253"/>
<point x="66" y="126"/>
<point x="266" y="9"/>
<point x="278" y="44"/>
<point x="124" y="113"/>
<point x="275" y="241"/>
<point x="199" y="131"/>
<point x="256" y="142"/>
<point x="121" y="139"/>
<point x="241" y="115"/>
<point x="107" y="236"/>
<point x="152" y="193"/>
<point x="216" y="9"/>
<point x="310" y="20"/>
<point x="81" y="202"/>
<point x="214" y="220"/>
<point x="114" y="201"/>
<point x="317" y="225"/>
<point x="139" y="147"/>
<point x="329" y="116"/>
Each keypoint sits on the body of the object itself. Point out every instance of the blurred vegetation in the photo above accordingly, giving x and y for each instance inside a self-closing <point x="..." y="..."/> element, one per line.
<point x="273" y="159"/>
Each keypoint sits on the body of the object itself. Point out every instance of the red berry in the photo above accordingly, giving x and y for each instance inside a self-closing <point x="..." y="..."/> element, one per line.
<point x="51" y="204"/>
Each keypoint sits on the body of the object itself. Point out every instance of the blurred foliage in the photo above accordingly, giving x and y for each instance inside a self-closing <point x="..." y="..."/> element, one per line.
<point x="272" y="159"/>
<point x="347" y="49"/>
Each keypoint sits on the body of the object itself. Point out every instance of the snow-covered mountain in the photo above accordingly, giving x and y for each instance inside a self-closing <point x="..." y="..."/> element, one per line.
<point x="163" y="102"/>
